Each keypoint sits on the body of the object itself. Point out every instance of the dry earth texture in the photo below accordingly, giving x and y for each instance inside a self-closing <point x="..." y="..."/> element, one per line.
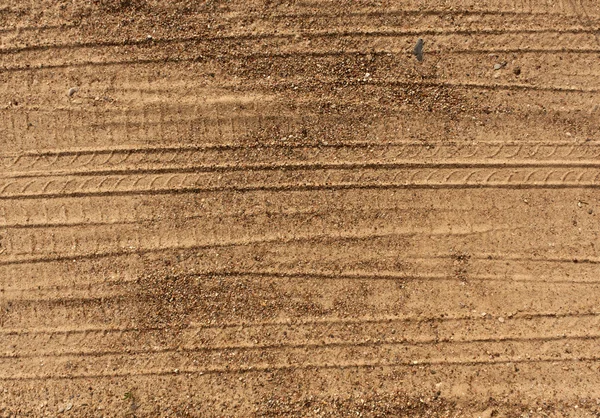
<point x="274" y="209"/>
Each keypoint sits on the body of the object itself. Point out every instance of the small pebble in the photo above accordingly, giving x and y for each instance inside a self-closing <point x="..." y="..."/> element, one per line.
<point x="72" y="91"/>
<point x="418" y="50"/>
<point x="517" y="71"/>
<point x="497" y="66"/>
<point x="501" y="320"/>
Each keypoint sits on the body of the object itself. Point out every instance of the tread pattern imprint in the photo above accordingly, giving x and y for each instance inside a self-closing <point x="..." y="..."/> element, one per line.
<point x="274" y="209"/>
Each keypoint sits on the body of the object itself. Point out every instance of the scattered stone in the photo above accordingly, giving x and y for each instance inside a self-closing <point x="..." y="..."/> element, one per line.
<point x="418" y="50"/>
<point x="68" y="407"/>
<point x="72" y="91"/>
<point x="517" y="71"/>
<point x="501" y="320"/>
<point x="497" y="66"/>
<point x="488" y="413"/>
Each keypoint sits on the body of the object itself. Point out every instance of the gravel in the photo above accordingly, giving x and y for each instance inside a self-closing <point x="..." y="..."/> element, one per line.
<point x="418" y="50"/>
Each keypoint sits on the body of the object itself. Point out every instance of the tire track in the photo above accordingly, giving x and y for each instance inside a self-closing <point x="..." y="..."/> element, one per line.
<point x="129" y="341"/>
<point x="308" y="345"/>
<point x="220" y="302"/>
<point x="106" y="289"/>
<point x="115" y="245"/>
<point x="83" y="218"/>
<point x="292" y="35"/>
<point x="479" y="267"/>
<point x="299" y="321"/>
<point x="302" y="179"/>
<point x="281" y="56"/>
<point x="120" y="250"/>
<point x="304" y="166"/>
<point x="270" y="368"/>
<point x="325" y="16"/>
<point x="529" y="154"/>
<point x="132" y="210"/>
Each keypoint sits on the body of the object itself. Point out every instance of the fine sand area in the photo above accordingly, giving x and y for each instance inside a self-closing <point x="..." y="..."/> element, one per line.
<point x="287" y="209"/>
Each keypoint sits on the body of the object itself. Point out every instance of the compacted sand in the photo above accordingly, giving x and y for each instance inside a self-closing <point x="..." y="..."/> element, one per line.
<point x="264" y="208"/>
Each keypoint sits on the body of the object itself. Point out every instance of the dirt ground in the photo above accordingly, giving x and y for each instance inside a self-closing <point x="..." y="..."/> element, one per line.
<point x="273" y="209"/>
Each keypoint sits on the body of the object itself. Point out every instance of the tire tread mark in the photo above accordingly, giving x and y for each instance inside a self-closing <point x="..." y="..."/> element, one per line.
<point x="286" y="367"/>
<point x="305" y="345"/>
<point x="122" y="184"/>
<point x="450" y="150"/>
<point x="313" y="321"/>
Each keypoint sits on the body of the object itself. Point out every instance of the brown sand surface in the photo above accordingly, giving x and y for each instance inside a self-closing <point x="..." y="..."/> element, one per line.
<point x="273" y="209"/>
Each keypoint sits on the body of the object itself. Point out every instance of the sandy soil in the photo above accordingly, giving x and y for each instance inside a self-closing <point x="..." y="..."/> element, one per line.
<point x="260" y="208"/>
